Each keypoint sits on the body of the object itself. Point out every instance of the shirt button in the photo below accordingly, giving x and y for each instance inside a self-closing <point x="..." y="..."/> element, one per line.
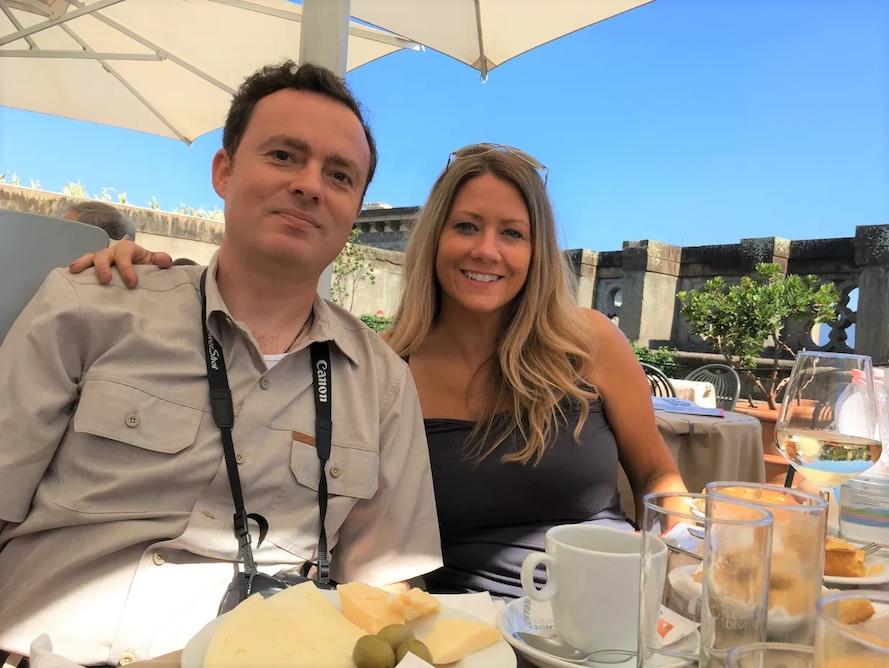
<point x="335" y="472"/>
<point x="158" y="560"/>
<point x="132" y="420"/>
<point x="264" y="382"/>
<point x="126" y="658"/>
<point x="239" y="458"/>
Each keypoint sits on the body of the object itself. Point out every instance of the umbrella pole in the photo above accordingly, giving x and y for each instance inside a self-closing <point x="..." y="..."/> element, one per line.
<point x="324" y="36"/>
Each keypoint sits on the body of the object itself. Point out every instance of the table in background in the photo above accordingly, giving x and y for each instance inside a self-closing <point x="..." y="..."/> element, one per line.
<point x="706" y="449"/>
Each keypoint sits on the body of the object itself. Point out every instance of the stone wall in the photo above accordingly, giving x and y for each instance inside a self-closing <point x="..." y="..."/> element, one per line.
<point x="198" y="239"/>
<point x="636" y="286"/>
<point x="173" y="233"/>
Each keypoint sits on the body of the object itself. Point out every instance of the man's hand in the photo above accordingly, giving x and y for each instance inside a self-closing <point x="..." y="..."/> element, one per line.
<point x="124" y="255"/>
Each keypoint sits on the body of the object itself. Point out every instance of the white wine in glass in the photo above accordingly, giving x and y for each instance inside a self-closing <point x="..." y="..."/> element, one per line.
<point x="828" y="426"/>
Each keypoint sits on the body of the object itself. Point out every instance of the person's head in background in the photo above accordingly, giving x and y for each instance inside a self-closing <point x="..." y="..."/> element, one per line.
<point x="116" y="225"/>
<point x="183" y="261"/>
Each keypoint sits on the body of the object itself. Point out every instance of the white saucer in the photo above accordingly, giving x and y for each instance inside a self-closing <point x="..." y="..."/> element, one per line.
<point x="870" y="563"/>
<point x="524" y="615"/>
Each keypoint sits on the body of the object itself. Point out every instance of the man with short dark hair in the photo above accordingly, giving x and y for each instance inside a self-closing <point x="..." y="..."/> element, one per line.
<point x="99" y="214"/>
<point x="116" y="502"/>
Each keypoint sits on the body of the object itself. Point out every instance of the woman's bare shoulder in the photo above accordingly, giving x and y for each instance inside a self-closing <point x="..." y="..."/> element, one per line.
<point x="601" y="327"/>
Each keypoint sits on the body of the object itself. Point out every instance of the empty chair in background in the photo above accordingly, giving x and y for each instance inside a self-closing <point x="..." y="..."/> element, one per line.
<point x="724" y="379"/>
<point x="660" y="383"/>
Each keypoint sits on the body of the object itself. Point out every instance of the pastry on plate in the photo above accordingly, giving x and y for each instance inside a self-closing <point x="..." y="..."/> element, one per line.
<point x="841" y="559"/>
<point x="854" y="610"/>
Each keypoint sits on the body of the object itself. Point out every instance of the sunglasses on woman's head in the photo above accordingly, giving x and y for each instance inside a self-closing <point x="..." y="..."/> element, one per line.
<point x="476" y="150"/>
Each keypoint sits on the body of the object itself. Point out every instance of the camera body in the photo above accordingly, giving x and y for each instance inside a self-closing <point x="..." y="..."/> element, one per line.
<point x="266" y="585"/>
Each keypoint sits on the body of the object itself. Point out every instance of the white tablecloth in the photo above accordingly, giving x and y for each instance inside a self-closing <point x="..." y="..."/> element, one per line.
<point x="707" y="449"/>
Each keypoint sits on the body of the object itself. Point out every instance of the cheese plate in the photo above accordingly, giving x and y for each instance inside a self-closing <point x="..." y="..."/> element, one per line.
<point x="498" y="655"/>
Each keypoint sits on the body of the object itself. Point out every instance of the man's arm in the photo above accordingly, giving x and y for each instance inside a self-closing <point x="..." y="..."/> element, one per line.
<point x="41" y="362"/>
<point x="394" y="535"/>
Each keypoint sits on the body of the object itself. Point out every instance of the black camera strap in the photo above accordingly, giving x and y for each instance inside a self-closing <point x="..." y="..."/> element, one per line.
<point x="222" y="408"/>
<point x="323" y="432"/>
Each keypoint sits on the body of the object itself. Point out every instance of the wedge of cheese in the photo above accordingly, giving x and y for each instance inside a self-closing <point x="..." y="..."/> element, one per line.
<point x="452" y="639"/>
<point x="368" y="607"/>
<point x="297" y="628"/>
<point x="415" y="603"/>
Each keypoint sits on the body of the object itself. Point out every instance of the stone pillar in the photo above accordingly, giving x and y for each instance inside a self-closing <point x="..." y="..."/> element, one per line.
<point x="582" y="263"/>
<point x="651" y="275"/>
<point x="872" y="324"/>
<point x="764" y="249"/>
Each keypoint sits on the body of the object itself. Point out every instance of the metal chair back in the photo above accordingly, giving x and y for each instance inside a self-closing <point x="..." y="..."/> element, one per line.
<point x="660" y="384"/>
<point x="724" y="379"/>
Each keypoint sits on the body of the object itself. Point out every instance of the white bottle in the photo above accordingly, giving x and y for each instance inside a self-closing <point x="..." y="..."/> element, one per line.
<point x="853" y="411"/>
<point x="864" y="501"/>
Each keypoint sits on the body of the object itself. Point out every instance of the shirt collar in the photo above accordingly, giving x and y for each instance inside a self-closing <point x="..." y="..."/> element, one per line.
<point x="327" y="324"/>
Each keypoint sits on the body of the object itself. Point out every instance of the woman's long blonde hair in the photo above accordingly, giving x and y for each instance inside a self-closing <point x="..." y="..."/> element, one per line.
<point x="544" y="348"/>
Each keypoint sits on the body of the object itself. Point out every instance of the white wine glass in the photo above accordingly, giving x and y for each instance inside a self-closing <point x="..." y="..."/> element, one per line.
<point x="828" y="425"/>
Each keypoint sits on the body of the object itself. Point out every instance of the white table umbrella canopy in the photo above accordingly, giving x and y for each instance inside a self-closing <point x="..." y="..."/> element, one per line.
<point x="166" y="67"/>
<point x="486" y="33"/>
<point x="169" y="67"/>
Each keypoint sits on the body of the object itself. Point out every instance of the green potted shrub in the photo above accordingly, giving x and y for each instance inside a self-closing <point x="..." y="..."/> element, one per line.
<point x="740" y="319"/>
<point x="662" y="358"/>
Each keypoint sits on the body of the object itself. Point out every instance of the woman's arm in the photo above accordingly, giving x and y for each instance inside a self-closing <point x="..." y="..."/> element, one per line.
<point x="124" y="254"/>
<point x="626" y="398"/>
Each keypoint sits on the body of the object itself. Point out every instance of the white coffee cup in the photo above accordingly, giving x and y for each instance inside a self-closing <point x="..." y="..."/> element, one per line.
<point x="593" y="578"/>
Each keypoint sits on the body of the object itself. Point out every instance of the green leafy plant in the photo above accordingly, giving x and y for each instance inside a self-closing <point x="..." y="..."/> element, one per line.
<point x="352" y="266"/>
<point x="663" y="358"/>
<point x="739" y="319"/>
<point x="378" y="323"/>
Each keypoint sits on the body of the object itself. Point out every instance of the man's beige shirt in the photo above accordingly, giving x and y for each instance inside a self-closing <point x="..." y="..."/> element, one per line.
<point x="118" y="540"/>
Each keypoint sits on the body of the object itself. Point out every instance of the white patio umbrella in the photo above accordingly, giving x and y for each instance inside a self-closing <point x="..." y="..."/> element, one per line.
<point x="485" y="33"/>
<point x="167" y="67"/>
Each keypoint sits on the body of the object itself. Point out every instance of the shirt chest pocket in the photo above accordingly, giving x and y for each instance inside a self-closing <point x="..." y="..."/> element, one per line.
<point x="351" y="471"/>
<point x="125" y="450"/>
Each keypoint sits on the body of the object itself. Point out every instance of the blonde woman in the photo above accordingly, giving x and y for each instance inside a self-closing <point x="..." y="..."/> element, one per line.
<point x="530" y="403"/>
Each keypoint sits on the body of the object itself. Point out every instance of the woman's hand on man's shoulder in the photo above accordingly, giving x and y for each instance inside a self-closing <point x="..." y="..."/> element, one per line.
<point x="124" y="254"/>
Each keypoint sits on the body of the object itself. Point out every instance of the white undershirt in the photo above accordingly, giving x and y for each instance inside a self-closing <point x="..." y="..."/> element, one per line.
<point x="272" y="360"/>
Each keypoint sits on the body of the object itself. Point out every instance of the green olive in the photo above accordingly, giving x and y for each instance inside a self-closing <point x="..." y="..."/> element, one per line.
<point x="395" y="635"/>
<point x="371" y="652"/>
<point x="416" y="648"/>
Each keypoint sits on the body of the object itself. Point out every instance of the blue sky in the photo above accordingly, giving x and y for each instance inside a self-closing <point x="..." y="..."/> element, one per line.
<point x="687" y="121"/>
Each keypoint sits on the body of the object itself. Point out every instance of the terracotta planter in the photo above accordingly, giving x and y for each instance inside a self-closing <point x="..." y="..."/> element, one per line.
<point x="767" y="418"/>
<point x="776" y="465"/>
